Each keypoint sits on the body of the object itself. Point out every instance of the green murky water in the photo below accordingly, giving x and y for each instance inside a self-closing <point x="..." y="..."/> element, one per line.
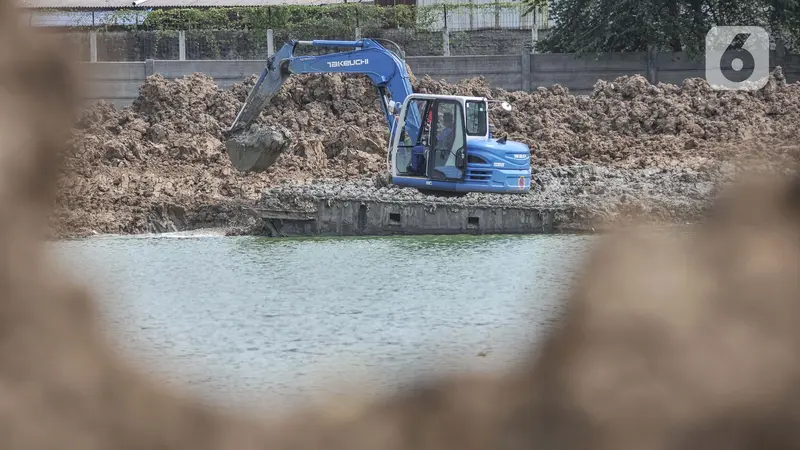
<point x="256" y="322"/>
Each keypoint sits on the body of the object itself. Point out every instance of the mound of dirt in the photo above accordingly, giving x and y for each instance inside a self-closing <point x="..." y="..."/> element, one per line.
<point x="630" y="123"/>
<point x="166" y="150"/>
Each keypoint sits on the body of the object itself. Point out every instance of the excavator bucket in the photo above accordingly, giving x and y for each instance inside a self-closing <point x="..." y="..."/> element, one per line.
<point x="255" y="147"/>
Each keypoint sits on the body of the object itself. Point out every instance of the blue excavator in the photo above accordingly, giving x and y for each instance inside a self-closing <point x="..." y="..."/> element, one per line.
<point x="439" y="144"/>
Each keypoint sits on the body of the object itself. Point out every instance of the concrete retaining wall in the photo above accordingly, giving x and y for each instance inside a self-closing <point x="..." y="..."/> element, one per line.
<point x="370" y="218"/>
<point x="118" y="82"/>
<point x="580" y="74"/>
<point x="502" y="71"/>
<point x="675" y="67"/>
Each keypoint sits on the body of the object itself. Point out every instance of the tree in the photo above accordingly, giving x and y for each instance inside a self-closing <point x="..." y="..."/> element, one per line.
<point x="589" y="26"/>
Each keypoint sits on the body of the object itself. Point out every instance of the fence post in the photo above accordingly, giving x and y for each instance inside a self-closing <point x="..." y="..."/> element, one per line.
<point x="358" y="24"/>
<point x="270" y="42"/>
<point x="534" y="31"/>
<point x="652" y="64"/>
<point x="445" y="35"/>
<point x="182" y="45"/>
<point x="780" y="55"/>
<point x="149" y="67"/>
<point x="93" y="46"/>
<point x="526" y="70"/>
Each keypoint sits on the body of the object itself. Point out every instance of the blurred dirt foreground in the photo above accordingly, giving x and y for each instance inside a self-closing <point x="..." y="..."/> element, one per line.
<point x="670" y="342"/>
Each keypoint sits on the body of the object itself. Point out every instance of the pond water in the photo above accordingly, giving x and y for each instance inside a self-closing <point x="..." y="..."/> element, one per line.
<point x="250" y="322"/>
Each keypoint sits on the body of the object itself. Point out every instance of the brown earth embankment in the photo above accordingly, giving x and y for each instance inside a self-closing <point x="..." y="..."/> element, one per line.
<point x="628" y="148"/>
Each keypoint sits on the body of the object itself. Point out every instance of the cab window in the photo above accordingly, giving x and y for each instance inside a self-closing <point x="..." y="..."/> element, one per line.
<point x="476" y="118"/>
<point x="412" y="149"/>
<point x="407" y="137"/>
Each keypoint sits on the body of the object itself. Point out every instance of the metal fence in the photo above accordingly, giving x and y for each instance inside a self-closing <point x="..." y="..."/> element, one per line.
<point x="491" y="29"/>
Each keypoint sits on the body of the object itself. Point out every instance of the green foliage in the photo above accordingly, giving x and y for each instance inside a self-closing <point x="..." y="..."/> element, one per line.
<point x="534" y="5"/>
<point x="240" y="32"/>
<point x="282" y="17"/>
<point x="593" y="26"/>
<point x="325" y="19"/>
<point x="122" y="16"/>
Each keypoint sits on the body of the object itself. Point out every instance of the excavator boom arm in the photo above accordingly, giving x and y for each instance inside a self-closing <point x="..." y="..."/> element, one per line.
<point x="386" y="70"/>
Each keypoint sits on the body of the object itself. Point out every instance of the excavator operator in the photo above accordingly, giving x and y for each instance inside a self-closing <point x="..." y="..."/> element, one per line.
<point x="444" y="138"/>
<point x="444" y="142"/>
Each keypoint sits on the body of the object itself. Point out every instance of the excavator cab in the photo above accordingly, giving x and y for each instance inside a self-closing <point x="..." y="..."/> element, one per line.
<point x="452" y="150"/>
<point x="433" y="153"/>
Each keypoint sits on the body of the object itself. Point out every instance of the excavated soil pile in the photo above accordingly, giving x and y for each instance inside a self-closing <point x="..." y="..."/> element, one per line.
<point x="630" y="123"/>
<point x="161" y="164"/>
